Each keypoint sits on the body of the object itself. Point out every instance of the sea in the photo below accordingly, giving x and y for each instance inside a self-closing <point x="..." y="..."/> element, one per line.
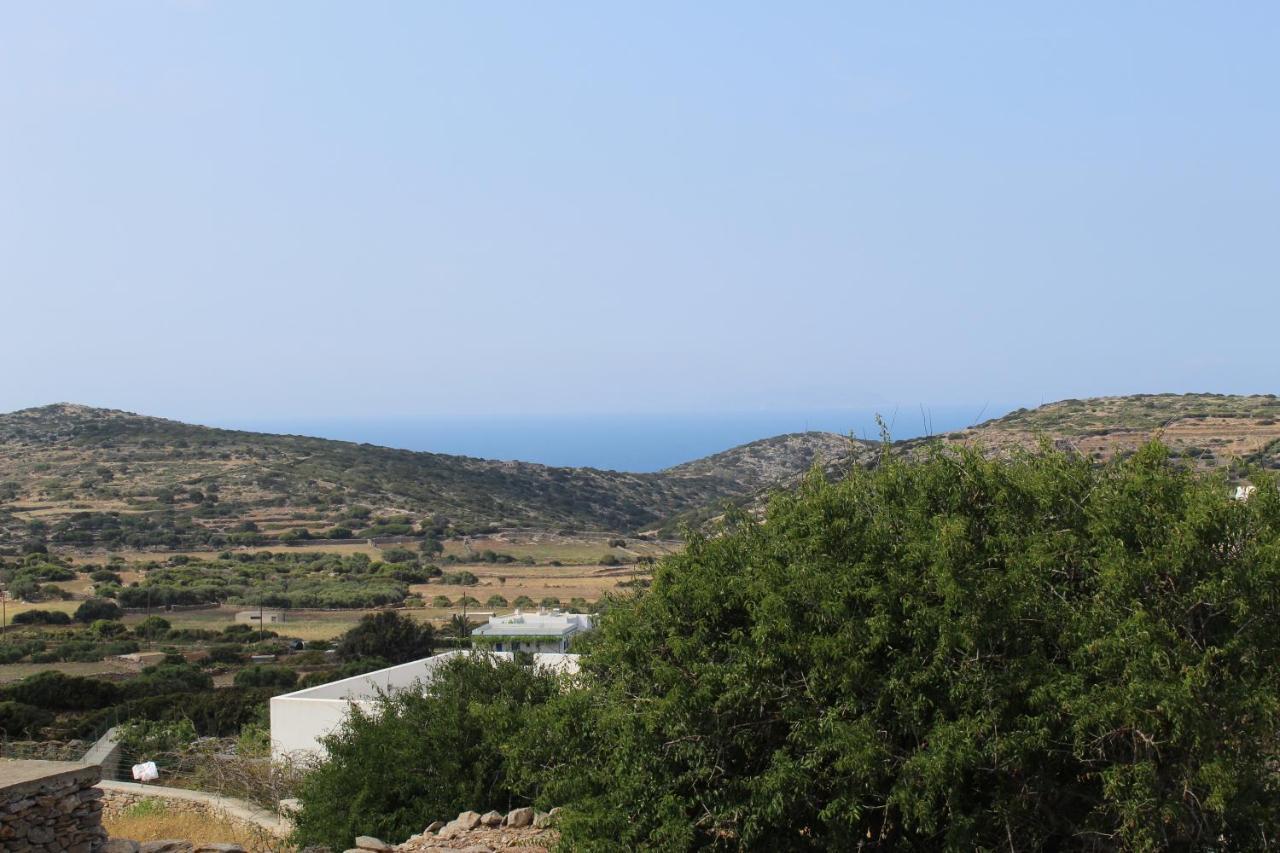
<point x="623" y="442"/>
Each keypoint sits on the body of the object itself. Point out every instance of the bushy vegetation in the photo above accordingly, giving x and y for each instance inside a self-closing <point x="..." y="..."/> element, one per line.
<point x="291" y="580"/>
<point x="387" y="636"/>
<point x="952" y="655"/>
<point x="423" y="755"/>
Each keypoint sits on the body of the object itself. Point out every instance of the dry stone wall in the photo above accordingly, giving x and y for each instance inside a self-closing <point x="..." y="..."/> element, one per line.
<point x="50" y="807"/>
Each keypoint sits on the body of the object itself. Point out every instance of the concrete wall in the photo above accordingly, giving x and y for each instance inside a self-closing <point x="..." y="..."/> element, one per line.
<point x="50" y="807"/>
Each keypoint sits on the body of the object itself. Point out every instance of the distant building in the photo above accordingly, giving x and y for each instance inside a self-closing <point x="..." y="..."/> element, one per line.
<point x="143" y="658"/>
<point x="260" y="617"/>
<point x="541" y="633"/>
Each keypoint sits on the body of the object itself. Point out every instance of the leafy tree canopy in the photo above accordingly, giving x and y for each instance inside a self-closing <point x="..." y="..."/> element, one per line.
<point x="959" y="654"/>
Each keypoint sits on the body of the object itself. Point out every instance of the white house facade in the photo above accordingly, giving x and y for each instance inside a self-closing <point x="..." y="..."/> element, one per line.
<point x="544" y="632"/>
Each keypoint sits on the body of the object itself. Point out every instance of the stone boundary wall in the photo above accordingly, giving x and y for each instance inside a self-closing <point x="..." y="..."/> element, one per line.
<point x="119" y="797"/>
<point x="46" y="750"/>
<point x="50" y="807"/>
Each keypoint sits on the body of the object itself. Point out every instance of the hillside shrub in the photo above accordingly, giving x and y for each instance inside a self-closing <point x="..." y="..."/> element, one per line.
<point x="97" y="608"/>
<point x="19" y="720"/>
<point x="56" y="691"/>
<point x="266" y="676"/>
<point x="389" y="636"/>
<point x="42" y="617"/>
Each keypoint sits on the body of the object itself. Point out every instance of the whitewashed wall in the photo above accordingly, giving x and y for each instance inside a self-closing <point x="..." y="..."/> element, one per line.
<point x="299" y="720"/>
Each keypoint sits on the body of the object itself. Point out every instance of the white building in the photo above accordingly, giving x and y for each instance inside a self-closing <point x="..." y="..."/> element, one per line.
<point x="300" y="719"/>
<point x="260" y="617"/>
<point x="540" y="633"/>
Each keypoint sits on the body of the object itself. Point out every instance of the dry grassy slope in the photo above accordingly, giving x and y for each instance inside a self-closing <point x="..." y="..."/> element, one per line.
<point x="1208" y="430"/>
<point x="63" y="459"/>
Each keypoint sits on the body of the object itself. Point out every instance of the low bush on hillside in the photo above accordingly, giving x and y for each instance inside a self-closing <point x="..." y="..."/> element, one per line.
<point x="42" y="617"/>
<point x="266" y="676"/>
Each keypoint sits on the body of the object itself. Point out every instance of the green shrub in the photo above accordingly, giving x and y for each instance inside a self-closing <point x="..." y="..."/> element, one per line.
<point x="389" y="636"/>
<point x="20" y="720"/>
<point x="42" y="617"/>
<point x="97" y="608"/>
<point x="347" y="670"/>
<point x="57" y="691"/>
<point x="266" y="676"/>
<point x="417" y="756"/>
<point x="153" y="628"/>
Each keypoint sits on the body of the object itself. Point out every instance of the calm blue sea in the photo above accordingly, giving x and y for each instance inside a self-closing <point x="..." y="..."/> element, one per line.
<point x="617" y="442"/>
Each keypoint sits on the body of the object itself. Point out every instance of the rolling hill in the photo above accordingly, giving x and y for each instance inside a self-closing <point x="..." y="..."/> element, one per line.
<point x="74" y="475"/>
<point x="82" y="476"/>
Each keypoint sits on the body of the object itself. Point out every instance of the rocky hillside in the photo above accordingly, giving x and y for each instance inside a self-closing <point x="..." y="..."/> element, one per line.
<point x="78" y="475"/>
<point x="778" y="461"/>
<point x="1207" y="430"/>
<point x="74" y="475"/>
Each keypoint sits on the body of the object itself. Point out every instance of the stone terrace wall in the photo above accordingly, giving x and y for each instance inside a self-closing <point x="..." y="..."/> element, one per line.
<point x="50" y="807"/>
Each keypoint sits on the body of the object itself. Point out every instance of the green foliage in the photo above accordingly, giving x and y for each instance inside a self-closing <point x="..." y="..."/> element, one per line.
<point x="389" y="636"/>
<point x="97" y="608"/>
<point x="266" y="676"/>
<point x="960" y="654"/>
<point x="42" y="617"/>
<point x="348" y="669"/>
<point x="152" y="738"/>
<point x="57" y="691"/>
<point x="153" y="628"/>
<point x="108" y="628"/>
<point x="289" y="580"/>
<point x="19" y="720"/>
<point x="167" y="678"/>
<point x="225" y="653"/>
<point x="421" y="755"/>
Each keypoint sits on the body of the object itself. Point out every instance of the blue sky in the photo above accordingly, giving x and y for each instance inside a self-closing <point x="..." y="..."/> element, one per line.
<point x="308" y="209"/>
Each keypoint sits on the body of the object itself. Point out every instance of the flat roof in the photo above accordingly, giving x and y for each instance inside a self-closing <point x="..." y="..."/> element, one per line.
<point x="509" y="629"/>
<point x="368" y="686"/>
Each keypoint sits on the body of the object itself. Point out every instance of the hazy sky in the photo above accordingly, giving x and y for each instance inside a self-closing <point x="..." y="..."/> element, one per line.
<point x="273" y="209"/>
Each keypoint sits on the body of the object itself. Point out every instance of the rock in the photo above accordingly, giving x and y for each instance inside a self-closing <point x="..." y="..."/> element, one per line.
<point x="39" y="835"/>
<point x="491" y="818"/>
<point x="368" y="842"/>
<point x="466" y="821"/>
<point x="169" y="845"/>
<point x="119" y="845"/>
<point x="517" y="818"/>
<point x="220" y="848"/>
<point x="541" y="820"/>
<point x="476" y="848"/>
<point x="434" y="826"/>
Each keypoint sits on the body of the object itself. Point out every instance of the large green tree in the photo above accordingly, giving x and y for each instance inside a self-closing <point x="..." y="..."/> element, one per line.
<point x="389" y="636"/>
<point x="957" y="653"/>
